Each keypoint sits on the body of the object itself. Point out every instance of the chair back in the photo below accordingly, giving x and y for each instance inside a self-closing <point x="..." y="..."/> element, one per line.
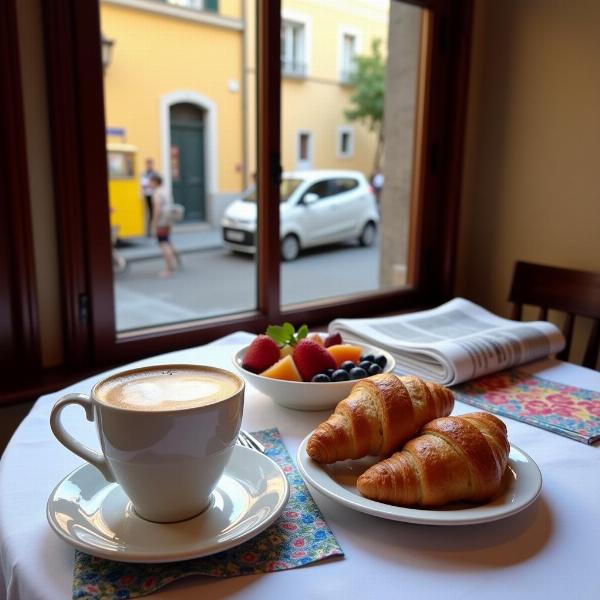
<point x="577" y="293"/>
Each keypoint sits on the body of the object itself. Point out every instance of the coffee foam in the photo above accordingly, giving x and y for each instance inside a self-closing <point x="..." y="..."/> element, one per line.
<point x="167" y="389"/>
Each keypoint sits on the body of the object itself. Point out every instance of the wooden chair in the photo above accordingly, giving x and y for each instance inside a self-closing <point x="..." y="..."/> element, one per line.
<point x="576" y="293"/>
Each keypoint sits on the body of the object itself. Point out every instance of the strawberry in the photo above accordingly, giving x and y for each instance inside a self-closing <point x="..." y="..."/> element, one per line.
<point x="262" y="353"/>
<point x="310" y="359"/>
<point x="332" y="339"/>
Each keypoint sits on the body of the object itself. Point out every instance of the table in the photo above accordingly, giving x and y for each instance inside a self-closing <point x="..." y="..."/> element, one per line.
<point x="550" y="550"/>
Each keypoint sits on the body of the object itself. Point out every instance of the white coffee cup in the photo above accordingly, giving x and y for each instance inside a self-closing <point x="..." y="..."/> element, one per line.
<point x="166" y="434"/>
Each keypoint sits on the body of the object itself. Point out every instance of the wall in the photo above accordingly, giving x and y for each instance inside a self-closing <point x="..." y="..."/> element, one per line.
<point x="531" y="189"/>
<point x="315" y="103"/>
<point x="155" y="55"/>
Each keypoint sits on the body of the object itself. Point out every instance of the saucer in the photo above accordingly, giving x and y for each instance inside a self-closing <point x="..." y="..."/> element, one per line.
<point x="97" y="517"/>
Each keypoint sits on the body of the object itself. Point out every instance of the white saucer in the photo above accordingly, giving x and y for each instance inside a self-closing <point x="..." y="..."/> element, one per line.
<point x="97" y="518"/>
<point x="521" y="486"/>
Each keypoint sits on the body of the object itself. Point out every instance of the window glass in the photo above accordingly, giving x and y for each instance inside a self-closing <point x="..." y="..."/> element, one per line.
<point x="120" y="164"/>
<point x="365" y="85"/>
<point x="322" y="188"/>
<point x="292" y="48"/>
<point x="189" y="121"/>
<point x="345" y="142"/>
<point x="344" y="185"/>
<point x="303" y="146"/>
<point x="286" y="189"/>
<point x="348" y="54"/>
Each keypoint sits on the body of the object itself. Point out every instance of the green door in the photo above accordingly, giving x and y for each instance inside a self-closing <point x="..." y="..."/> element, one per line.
<point x="187" y="167"/>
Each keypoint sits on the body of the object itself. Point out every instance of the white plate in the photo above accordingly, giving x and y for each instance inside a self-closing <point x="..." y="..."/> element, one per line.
<point x="306" y="395"/>
<point x="521" y="486"/>
<point x="97" y="517"/>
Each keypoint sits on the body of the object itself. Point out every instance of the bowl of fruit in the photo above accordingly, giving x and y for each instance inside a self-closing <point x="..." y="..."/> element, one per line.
<point x="308" y="371"/>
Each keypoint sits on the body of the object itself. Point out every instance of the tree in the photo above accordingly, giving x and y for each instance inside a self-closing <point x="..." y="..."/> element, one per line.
<point x="368" y="80"/>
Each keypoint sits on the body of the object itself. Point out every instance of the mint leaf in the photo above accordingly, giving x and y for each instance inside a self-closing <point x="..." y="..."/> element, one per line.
<point x="286" y="334"/>
<point x="302" y="333"/>
<point x="277" y="334"/>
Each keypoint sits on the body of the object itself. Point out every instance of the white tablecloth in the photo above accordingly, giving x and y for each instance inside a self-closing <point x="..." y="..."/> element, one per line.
<point x="550" y="550"/>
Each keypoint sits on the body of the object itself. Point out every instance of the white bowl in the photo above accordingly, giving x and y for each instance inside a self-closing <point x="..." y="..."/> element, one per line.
<point x="301" y="395"/>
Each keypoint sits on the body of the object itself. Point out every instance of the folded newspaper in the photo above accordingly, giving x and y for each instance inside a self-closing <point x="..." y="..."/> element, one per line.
<point x="454" y="342"/>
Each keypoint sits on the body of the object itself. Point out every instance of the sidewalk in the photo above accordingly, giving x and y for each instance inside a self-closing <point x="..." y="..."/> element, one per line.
<point x="185" y="238"/>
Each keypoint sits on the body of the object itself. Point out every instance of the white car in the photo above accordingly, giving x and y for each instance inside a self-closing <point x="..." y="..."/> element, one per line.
<point x="317" y="208"/>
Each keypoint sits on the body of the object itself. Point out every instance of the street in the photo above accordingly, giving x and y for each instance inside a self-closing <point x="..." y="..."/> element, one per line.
<point x="216" y="282"/>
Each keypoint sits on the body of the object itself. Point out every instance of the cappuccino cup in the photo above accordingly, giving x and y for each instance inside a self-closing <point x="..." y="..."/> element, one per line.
<point x="166" y="434"/>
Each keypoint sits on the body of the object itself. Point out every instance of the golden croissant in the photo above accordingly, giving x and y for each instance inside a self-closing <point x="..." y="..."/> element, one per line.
<point x="454" y="458"/>
<point x="380" y="414"/>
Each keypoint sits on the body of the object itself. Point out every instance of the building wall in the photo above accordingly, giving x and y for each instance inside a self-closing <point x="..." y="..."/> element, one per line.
<point x="155" y="55"/>
<point x="316" y="102"/>
<point x="531" y="189"/>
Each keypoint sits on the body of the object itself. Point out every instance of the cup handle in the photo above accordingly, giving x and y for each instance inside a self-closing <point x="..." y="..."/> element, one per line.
<point x="68" y="441"/>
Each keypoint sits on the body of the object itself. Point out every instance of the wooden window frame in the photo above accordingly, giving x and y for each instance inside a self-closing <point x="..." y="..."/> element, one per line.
<point x="79" y="162"/>
<point x="20" y="355"/>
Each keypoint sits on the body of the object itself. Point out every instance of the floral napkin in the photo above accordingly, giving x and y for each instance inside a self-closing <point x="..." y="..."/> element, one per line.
<point x="564" y="409"/>
<point x="300" y="536"/>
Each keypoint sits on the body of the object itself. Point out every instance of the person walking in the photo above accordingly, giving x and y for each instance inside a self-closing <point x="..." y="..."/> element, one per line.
<point x="162" y="220"/>
<point x="147" y="192"/>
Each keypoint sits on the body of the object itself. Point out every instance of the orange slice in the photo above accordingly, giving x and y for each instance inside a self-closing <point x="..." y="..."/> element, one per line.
<point x="344" y="352"/>
<point x="283" y="369"/>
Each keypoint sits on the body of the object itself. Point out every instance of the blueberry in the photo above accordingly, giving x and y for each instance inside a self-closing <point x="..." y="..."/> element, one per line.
<point x="340" y="375"/>
<point x="368" y="357"/>
<point x="329" y="372"/>
<point x="347" y="365"/>
<point x="365" y="364"/>
<point x="374" y="369"/>
<point x="357" y="373"/>
<point x="321" y="378"/>
<point x="381" y="361"/>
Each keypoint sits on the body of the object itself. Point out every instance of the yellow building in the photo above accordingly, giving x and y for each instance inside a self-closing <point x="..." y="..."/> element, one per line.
<point x="181" y="86"/>
<point x="173" y="85"/>
<point x="319" y="39"/>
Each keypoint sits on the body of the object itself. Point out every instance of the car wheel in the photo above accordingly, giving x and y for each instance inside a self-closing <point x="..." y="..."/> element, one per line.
<point x="367" y="236"/>
<point x="290" y="248"/>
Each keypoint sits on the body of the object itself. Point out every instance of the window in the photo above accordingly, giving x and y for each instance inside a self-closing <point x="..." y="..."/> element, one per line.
<point x="344" y="185"/>
<point x="286" y="188"/>
<point x="349" y="51"/>
<point x="421" y="164"/>
<point x="322" y="188"/>
<point x="208" y="5"/>
<point x="345" y="142"/>
<point x="293" y="44"/>
<point x="120" y="164"/>
<point x="304" y="151"/>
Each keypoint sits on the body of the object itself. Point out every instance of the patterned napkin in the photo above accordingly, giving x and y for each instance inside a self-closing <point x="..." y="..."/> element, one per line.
<point x="300" y="536"/>
<point x="563" y="409"/>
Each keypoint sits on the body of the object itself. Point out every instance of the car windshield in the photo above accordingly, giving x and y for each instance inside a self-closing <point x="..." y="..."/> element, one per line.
<point x="286" y="189"/>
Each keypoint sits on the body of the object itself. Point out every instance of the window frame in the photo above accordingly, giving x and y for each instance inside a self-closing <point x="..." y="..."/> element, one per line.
<point x="345" y="70"/>
<point x="309" y="148"/>
<point x="20" y="350"/>
<point x="340" y="132"/>
<point x="74" y="73"/>
<point x="299" y="67"/>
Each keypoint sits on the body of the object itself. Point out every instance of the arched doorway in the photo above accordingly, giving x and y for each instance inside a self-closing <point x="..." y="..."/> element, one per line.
<point x="187" y="154"/>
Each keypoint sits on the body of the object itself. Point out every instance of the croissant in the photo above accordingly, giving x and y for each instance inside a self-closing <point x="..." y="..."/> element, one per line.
<point x="378" y="416"/>
<point x="454" y="458"/>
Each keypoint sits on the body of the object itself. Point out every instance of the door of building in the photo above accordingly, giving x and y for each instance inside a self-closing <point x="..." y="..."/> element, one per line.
<point x="187" y="160"/>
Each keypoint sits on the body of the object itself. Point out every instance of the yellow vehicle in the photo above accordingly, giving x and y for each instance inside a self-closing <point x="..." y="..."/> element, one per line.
<point x="126" y="204"/>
